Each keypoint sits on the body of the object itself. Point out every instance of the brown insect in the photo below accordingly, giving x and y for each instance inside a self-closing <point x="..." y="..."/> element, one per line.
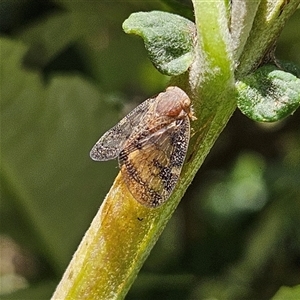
<point x="151" y="144"/>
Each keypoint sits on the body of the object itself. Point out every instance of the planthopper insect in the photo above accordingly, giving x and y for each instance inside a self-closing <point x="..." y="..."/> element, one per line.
<point x="151" y="144"/>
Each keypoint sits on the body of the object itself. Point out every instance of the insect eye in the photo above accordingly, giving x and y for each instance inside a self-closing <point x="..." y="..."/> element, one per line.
<point x="186" y="102"/>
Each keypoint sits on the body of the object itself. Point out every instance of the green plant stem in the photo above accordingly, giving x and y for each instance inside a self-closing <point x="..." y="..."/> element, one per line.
<point x="268" y="23"/>
<point x="123" y="232"/>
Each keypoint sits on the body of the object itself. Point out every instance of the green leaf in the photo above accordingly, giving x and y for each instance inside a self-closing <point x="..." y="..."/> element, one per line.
<point x="290" y="67"/>
<point x="48" y="37"/>
<point x="47" y="131"/>
<point x="269" y="94"/>
<point x="288" y="293"/>
<point x="168" y="39"/>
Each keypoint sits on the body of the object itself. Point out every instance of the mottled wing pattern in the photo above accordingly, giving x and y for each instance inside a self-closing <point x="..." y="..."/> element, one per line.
<point x="111" y="143"/>
<point x="151" y="167"/>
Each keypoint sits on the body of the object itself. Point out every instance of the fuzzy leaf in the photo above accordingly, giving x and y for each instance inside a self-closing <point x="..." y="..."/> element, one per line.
<point x="269" y="94"/>
<point x="168" y="39"/>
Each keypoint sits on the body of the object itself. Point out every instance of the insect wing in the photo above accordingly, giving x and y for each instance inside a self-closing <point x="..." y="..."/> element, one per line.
<point x="111" y="143"/>
<point x="152" y="167"/>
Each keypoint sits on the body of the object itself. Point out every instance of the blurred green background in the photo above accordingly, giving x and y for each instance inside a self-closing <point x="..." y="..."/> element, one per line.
<point x="69" y="73"/>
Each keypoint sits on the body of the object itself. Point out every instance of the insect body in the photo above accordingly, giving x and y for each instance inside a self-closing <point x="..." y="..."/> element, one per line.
<point x="151" y="144"/>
